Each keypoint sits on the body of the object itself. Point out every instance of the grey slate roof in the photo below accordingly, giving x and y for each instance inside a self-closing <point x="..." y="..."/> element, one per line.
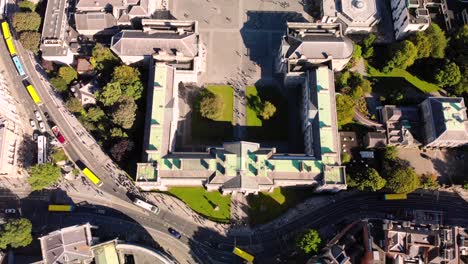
<point x="54" y="28"/>
<point x="319" y="46"/>
<point x="94" y="21"/>
<point x="138" y="43"/>
<point x="99" y="3"/>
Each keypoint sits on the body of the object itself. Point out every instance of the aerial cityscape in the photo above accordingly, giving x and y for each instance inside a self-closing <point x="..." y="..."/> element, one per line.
<point x="233" y="131"/>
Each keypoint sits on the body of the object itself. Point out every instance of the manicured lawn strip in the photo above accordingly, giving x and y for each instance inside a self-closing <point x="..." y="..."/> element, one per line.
<point x="227" y="93"/>
<point x="204" y="202"/>
<point x="252" y="118"/>
<point x="266" y="206"/>
<point x="424" y="86"/>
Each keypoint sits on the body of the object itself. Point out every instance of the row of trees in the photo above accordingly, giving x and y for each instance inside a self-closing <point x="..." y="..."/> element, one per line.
<point x="398" y="176"/>
<point x="352" y="87"/>
<point x="27" y="23"/>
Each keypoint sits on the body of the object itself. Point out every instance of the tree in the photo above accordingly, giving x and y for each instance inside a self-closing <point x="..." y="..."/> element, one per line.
<point x="459" y="41"/>
<point x="59" y="84"/>
<point x="344" y="109"/>
<point x="369" y="40"/>
<point x="309" y="241"/>
<point x="16" y="233"/>
<point x="429" y="181"/>
<point x="43" y="175"/>
<point x="402" y="180"/>
<point x="30" y="40"/>
<point x="117" y="132"/>
<point x="404" y="55"/>
<point x="58" y="155"/>
<point x="438" y="40"/>
<point x="74" y="105"/>
<point x="342" y="80"/>
<point x="391" y="153"/>
<point x="95" y="114"/>
<point x="462" y="87"/>
<point x="103" y="58"/>
<point x="27" y="6"/>
<point x="448" y="75"/>
<point x="26" y="21"/>
<point x="211" y="105"/>
<point x="367" y="178"/>
<point x="129" y="79"/>
<point x="345" y="158"/>
<point x="109" y="94"/>
<point x="357" y="54"/>
<point x="423" y="44"/>
<point x="124" y="113"/>
<point x="368" y="53"/>
<point x="366" y="86"/>
<point x="268" y="110"/>
<point x="119" y="150"/>
<point x="68" y="74"/>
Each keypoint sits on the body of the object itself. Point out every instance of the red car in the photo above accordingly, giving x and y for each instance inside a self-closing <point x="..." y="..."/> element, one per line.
<point x="58" y="135"/>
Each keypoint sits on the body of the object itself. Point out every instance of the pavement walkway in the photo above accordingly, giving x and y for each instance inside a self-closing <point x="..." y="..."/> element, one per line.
<point x="239" y="210"/>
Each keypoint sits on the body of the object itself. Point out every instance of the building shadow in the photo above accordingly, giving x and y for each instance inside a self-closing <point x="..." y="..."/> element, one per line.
<point x="262" y="33"/>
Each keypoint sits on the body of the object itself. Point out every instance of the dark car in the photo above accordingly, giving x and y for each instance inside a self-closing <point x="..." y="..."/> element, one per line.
<point x="47" y="116"/>
<point x="174" y="233"/>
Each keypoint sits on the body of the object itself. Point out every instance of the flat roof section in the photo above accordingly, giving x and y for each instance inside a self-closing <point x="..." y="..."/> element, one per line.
<point x="55" y="20"/>
<point x="453" y="114"/>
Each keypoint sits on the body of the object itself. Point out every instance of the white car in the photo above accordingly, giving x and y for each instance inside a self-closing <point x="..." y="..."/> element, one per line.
<point x="42" y="127"/>
<point x="38" y="116"/>
<point x="10" y="211"/>
<point x="33" y="124"/>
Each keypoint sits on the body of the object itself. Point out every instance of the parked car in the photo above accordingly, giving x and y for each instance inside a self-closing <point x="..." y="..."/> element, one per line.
<point x="47" y="116"/>
<point x="33" y="124"/>
<point x="35" y="135"/>
<point x="42" y="127"/>
<point x="58" y="135"/>
<point x="38" y="116"/>
<point x="10" y="211"/>
<point x="174" y="233"/>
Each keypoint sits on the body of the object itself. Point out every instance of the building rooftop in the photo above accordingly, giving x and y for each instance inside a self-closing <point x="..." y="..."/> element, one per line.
<point x="94" y="21"/>
<point x="357" y="12"/>
<point x="67" y="245"/>
<point x="55" y="20"/>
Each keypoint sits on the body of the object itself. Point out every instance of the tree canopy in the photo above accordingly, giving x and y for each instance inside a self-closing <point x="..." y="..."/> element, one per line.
<point x="391" y="153"/>
<point x="74" y="105"/>
<point x="268" y="110"/>
<point x="124" y="113"/>
<point x="95" y="114"/>
<point x="129" y="79"/>
<point x="30" y="40"/>
<point x="448" y="75"/>
<point x="59" y="84"/>
<point x="16" y="233"/>
<point x="27" y="6"/>
<point x="367" y="46"/>
<point x="103" y="58"/>
<point x="404" y="55"/>
<point x="120" y="149"/>
<point x="309" y="241"/>
<point x="68" y="74"/>
<point x="26" y="21"/>
<point x="43" y="175"/>
<point x="344" y="109"/>
<point x="367" y="178"/>
<point x="423" y="44"/>
<point x="402" y="180"/>
<point x="110" y="94"/>
<point x="438" y="40"/>
<point x="210" y="105"/>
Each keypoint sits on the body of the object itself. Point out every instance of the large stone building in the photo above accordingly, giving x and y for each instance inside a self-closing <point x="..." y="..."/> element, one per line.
<point x="307" y="44"/>
<point x="175" y="42"/>
<point x="356" y="16"/>
<point x="445" y="122"/>
<point x="241" y="166"/>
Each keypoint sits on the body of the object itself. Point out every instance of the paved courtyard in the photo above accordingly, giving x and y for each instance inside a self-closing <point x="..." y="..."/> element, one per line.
<point x="242" y="35"/>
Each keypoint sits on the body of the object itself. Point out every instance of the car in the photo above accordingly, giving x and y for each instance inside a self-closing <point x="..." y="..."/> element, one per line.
<point x="36" y="134"/>
<point x="42" y="127"/>
<point x="38" y="116"/>
<point x="33" y="124"/>
<point x="47" y="116"/>
<point x="10" y="211"/>
<point x="174" y="233"/>
<point x="58" y="135"/>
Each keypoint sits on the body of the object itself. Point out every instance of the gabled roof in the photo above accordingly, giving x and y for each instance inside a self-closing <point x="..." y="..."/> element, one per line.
<point x="314" y="46"/>
<point x="138" y="43"/>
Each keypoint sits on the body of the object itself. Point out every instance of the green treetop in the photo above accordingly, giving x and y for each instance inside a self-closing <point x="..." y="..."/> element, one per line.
<point x="15" y="233"/>
<point x="309" y="242"/>
<point x="43" y="175"/>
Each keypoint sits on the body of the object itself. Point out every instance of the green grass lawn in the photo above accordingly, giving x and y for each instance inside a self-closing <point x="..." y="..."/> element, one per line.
<point x="252" y="118"/>
<point x="227" y="93"/>
<point x="424" y="86"/>
<point x="204" y="202"/>
<point x="266" y="206"/>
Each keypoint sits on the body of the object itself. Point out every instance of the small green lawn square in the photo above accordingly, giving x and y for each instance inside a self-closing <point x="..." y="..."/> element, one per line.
<point x="252" y="118"/>
<point x="204" y="202"/>
<point x="227" y="93"/>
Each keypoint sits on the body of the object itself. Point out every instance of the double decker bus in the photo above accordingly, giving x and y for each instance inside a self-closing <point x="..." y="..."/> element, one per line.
<point x="61" y="208"/>
<point x="396" y="196"/>
<point x="242" y="254"/>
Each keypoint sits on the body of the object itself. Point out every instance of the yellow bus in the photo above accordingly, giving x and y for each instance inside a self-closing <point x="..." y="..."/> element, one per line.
<point x="6" y="30"/>
<point x="11" y="46"/>
<point x="92" y="177"/>
<point x="396" y="196"/>
<point x="60" y="208"/>
<point x="241" y="253"/>
<point x="32" y="92"/>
